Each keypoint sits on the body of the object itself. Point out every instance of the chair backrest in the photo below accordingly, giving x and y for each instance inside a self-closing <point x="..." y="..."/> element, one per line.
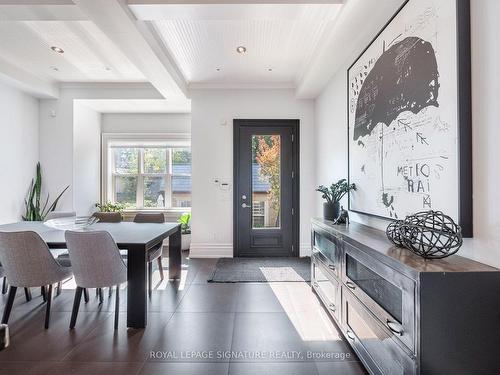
<point x="26" y="259"/>
<point x="155" y="217"/>
<point x="108" y="217"/>
<point x="95" y="259"/>
<point x="59" y="214"/>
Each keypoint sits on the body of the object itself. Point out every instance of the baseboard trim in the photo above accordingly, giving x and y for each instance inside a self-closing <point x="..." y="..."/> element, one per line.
<point x="305" y="250"/>
<point x="225" y="250"/>
<point x="211" y="250"/>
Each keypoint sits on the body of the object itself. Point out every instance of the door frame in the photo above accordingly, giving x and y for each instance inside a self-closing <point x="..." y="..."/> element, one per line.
<point x="294" y="124"/>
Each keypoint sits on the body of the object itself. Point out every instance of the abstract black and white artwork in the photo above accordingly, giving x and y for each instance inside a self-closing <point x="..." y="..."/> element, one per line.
<point x="403" y="115"/>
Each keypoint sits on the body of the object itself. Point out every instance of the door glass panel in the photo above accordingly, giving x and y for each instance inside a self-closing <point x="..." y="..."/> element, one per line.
<point x="266" y="181"/>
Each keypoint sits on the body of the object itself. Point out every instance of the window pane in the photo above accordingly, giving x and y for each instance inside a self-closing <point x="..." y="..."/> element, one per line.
<point x="181" y="191"/>
<point x="181" y="177"/>
<point x="126" y="190"/>
<point x="155" y="160"/>
<point x="181" y="161"/>
<point x="126" y="160"/>
<point x="154" y="192"/>
<point x="266" y="181"/>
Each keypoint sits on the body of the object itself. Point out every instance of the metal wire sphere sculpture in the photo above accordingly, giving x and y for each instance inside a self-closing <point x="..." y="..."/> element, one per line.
<point x="393" y="232"/>
<point x="430" y="234"/>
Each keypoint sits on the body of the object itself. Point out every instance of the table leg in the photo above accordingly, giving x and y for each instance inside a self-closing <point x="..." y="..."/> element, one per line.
<point x="137" y="307"/>
<point x="174" y="255"/>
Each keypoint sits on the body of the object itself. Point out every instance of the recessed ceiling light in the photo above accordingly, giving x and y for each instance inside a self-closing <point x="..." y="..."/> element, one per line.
<point x="57" y="49"/>
<point x="241" y="49"/>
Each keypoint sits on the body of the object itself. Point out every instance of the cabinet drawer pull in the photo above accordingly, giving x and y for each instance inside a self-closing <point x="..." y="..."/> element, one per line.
<point x="316" y="284"/>
<point x="350" y="335"/>
<point x="350" y="285"/>
<point x="332" y="307"/>
<point x="395" y="327"/>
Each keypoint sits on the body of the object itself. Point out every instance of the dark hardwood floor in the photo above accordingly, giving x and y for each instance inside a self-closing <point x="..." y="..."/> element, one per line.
<point x="191" y="325"/>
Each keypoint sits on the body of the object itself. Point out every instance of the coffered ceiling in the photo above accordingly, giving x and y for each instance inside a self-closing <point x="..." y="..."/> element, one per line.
<point x="280" y="40"/>
<point x="175" y="45"/>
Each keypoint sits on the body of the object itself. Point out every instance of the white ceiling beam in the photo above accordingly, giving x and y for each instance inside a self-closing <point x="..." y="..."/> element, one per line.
<point x="199" y="12"/>
<point x="180" y="2"/>
<point x="344" y="42"/>
<point x="114" y="18"/>
<point x="23" y="80"/>
<point x="40" y="10"/>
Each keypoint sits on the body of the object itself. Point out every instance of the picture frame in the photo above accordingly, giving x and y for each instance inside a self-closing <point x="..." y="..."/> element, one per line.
<point x="409" y="115"/>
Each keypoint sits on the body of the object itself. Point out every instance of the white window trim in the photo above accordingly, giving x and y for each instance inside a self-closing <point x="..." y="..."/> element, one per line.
<point x="175" y="140"/>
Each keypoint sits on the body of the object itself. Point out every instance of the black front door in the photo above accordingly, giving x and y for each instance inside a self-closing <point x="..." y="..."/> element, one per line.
<point x="266" y="187"/>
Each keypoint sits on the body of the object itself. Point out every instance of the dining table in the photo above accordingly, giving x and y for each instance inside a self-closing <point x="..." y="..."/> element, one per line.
<point x="137" y="239"/>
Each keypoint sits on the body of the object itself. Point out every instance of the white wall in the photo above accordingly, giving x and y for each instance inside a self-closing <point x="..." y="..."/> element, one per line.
<point x="56" y="130"/>
<point x="331" y="136"/>
<point x="86" y="158"/>
<point x="146" y="123"/>
<point x="18" y="150"/>
<point x="212" y="148"/>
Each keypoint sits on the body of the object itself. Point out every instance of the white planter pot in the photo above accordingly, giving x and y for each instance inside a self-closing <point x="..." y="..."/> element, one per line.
<point x="185" y="241"/>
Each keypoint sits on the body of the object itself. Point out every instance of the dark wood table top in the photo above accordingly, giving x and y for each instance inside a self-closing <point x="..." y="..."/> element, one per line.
<point x="125" y="234"/>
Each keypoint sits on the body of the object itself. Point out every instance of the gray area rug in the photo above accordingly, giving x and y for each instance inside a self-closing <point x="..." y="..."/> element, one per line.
<point x="240" y="270"/>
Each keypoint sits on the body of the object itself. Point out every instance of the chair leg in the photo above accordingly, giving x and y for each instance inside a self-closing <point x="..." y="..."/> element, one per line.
<point x="4" y="285"/>
<point x="43" y="292"/>
<point x="86" y="295"/>
<point x="117" y="305"/>
<point x="110" y="292"/>
<point x="150" y="278"/>
<point x="160" y="267"/>
<point x="49" y="302"/>
<point x="27" y="293"/>
<point x="59" y="287"/>
<point x="101" y="298"/>
<point x="10" y="303"/>
<point x="76" y="306"/>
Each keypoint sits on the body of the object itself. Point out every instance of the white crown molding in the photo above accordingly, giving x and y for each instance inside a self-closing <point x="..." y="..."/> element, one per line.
<point x="107" y="85"/>
<point x="241" y="86"/>
<point x="211" y="250"/>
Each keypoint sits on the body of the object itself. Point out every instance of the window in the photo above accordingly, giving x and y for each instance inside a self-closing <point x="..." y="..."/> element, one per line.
<point x="149" y="175"/>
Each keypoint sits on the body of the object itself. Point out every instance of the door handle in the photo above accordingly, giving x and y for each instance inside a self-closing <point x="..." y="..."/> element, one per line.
<point x="395" y="328"/>
<point x="350" y="285"/>
<point x="244" y="205"/>
<point x="350" y="335"/>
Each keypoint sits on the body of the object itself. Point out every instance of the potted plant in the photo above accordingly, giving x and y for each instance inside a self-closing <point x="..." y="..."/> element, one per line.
<point x="35" y="211"/>
<point x="185" y="221"/>
<point x="110" y="207"/>
<point x="333" y="195"/>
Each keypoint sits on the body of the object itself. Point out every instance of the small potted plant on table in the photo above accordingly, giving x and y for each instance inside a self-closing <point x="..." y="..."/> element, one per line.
<point x="185" y="221"/>
<point x="333" y="195"/>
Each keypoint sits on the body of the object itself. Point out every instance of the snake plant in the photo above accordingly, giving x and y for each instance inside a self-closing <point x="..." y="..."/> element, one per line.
<point x="34" y="210"/>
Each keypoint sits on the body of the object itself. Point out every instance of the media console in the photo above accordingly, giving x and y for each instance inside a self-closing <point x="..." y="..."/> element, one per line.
<point x="403" y="314"/>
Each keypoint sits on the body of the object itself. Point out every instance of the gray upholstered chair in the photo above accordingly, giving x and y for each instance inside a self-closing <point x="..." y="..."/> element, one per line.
<point x="28" y="262"/>
<point x="96" y="263"/>
<point x="108" y="217"/>
<point x="62" y="254"/>
<point x="59" y="214"/>
<point x="156" y="252"/>
<point x="4" y="282"/>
